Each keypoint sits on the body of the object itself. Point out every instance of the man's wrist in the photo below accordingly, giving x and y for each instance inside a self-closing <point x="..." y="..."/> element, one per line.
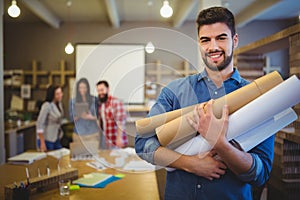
<point x="185" y="163"/>
<point x="222" y="145"/>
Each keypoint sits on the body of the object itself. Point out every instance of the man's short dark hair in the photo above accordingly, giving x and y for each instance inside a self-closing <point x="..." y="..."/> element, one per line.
<point x="103" y="82"/>
<point x="214" y="15"/>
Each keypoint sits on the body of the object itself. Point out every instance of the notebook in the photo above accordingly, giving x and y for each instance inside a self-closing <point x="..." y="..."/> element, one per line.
<point x="27" y="157"/>
<point x="92" y="179"/>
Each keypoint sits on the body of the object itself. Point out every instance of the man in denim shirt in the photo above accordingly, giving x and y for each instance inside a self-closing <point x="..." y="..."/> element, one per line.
<point x="226" y="172"/>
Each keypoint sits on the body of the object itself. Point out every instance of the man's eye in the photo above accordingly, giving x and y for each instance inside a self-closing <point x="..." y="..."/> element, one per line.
<point x="222" y="38"/>
<point x="204" y="41"/>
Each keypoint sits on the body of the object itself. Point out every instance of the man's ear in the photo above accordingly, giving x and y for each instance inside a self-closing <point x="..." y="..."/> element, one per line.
<point x="235" y="40"/>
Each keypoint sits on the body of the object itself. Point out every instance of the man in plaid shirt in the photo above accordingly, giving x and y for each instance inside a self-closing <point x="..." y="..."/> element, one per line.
<point x="112" y="117"/>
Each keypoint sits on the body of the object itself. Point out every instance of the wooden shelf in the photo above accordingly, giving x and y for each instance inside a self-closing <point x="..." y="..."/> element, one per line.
<point x="159" y="73"/>
<point x="273" y="42"/>
<point x="35" y="74"/>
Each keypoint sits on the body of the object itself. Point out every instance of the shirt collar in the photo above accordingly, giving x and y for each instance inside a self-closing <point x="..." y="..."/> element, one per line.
<point x="235" y="76"/>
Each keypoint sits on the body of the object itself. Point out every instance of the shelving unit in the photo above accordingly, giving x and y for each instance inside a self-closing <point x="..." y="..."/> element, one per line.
<point x="250" y="66"/>
<point x="277" y="41"/>
<point x="284" y="181"/>
<point x="273" y="42"/>
<point x="35" y="74"/>
<point x="159" y="76"/>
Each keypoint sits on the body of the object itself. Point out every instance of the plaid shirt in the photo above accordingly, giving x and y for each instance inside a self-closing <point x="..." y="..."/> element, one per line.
<point x="113" y="117"/>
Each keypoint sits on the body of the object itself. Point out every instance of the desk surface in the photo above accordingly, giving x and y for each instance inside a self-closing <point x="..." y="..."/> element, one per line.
<point x="132" y="186"/>
<point x="22" y="127"/>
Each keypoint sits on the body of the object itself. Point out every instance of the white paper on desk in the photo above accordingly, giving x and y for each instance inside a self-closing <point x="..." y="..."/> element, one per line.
<point x="254" y="114"/>
<point x="139" y="165"/>
<point x="96" y="165"/>
<point x="59" y="153"/>
<point x="128" y="151"/>
<point x="27" y="157"/>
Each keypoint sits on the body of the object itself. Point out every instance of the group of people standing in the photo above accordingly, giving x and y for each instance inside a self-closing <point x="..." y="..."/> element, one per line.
<point x="104" y="121"/>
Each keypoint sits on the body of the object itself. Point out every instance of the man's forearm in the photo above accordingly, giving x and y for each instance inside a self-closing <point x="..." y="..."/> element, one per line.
<point x="166" y="157"/>
<point x="236" y="160"/>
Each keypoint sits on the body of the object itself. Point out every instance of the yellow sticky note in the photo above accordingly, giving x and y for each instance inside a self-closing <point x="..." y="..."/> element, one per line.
<point x="120" y="175"/>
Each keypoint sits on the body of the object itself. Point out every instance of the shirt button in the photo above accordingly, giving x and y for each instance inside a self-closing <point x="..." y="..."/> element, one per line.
<point x="216" y="92"/>
<point x="198" y="186"/>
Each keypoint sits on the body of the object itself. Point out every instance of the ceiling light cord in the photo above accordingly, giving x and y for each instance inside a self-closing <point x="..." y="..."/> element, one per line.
<point x="69" y="48"/>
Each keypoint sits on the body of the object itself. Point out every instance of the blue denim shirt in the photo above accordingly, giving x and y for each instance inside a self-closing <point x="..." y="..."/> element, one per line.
<point x="183" y="185"/>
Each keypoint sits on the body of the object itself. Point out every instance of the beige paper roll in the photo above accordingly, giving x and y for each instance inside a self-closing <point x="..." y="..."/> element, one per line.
<point x="179" y="128"/>
<point x="148" y="125"/>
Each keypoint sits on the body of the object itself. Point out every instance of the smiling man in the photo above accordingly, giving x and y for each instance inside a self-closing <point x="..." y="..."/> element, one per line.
<point x="230" y="174"/>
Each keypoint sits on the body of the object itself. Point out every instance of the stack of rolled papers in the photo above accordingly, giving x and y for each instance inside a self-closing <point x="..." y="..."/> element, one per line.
<point x="172" y="127"/>
<point x="252" y="123"/>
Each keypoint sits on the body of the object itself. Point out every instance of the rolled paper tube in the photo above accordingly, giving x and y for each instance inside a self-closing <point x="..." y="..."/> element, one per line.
<point x="249" y="92"/>
<point x="148" y="125"/>
<point x="179" y="128"/>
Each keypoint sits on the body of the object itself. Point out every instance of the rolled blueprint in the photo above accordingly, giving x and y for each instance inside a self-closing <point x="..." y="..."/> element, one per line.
<point x="255" y="136"/>
<point x="235" y="99"/>
<point x="256" y="121"/>
<point x="248" y="140"/>
<point x="179" y="128"/>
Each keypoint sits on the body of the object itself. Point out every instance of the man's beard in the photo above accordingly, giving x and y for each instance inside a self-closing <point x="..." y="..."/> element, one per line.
<point x="222" y="65"/>
<point x="103" y="99"/>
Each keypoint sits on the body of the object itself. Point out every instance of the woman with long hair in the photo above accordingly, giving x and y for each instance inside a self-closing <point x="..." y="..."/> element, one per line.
<point x="85" y="122"/>
<point x="48" y="125"/>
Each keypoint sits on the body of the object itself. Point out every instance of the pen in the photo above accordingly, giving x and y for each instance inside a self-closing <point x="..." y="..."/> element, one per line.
<point x="48" y="171"/>
<point x="58" y="168"/>
<point x="39" y="172"/>
<point x="27" y="176"/>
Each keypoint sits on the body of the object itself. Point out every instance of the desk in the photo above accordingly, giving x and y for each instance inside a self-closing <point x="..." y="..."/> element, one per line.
<point x="132" y="186"/>
<point x="27" y="135"/>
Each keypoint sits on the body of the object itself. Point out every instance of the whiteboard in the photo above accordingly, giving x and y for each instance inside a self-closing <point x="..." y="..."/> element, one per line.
<point x="123" y="66"/>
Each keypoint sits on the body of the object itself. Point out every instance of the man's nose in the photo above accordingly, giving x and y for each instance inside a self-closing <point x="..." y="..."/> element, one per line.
<point x="213" y="45"/>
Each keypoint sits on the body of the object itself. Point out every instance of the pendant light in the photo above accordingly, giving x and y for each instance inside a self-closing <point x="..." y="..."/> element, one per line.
<point x="149" y="48"/>
<point x="69" y="49"/>
<point x="166" y="10"/>
<point x="13" y="10"/>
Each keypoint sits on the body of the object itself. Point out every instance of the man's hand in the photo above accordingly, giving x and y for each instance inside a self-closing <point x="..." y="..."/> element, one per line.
<point x="212" y="129"/>
<point x="119" y="142"/>
<point x="206" y="165"/>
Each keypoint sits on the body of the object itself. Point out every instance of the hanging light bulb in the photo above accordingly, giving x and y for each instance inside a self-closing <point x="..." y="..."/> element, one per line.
<point x="69" y="49"/>
<point x="13" y="10"/>
<point x="149" y="48"/>
<point x="166" y="10"/>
